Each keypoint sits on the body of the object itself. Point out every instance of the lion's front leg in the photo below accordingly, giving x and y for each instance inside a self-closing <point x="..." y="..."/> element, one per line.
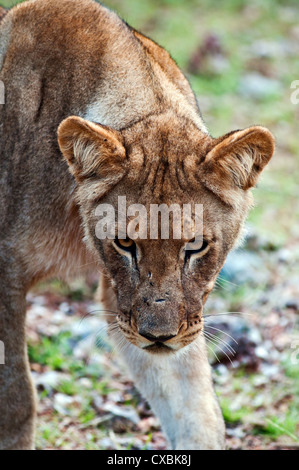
<point x="180" y="391"/>
<point x="17" y="393"/>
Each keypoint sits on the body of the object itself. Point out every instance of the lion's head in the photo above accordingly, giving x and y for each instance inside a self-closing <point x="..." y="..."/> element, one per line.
<point x="162" y="284"/>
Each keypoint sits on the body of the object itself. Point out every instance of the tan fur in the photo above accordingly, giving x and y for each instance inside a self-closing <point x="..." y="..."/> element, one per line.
<point x="129" y="125"/>
<point x="2" y="13"/>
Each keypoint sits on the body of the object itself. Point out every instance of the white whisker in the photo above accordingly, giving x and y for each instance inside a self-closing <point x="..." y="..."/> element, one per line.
<point x="213" y="352"/>
<point x="221" y="341"/>
<point x="216" y="344"/>
<point x="223" y="332"/>
<point x="227" y="313"/>
<point x="222" y="279"/>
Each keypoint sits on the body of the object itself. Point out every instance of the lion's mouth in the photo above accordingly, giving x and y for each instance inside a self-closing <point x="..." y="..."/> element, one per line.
<point x="158" y="347"/>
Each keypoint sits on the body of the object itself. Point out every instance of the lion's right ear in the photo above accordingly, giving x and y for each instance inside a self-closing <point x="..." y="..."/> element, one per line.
<point x="233" y="165"/>
<point x="91" y="150"/>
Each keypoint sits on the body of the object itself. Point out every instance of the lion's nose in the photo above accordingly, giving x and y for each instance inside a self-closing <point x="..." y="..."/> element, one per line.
<point x="154" y="339"/>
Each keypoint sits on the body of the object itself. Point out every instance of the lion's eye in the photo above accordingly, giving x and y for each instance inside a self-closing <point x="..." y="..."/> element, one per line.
<point x="125" y="244"/>
<point x="191" y="249"/>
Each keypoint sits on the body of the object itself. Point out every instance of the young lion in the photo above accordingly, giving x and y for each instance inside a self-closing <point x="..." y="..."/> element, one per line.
<point x="128" y="125"/>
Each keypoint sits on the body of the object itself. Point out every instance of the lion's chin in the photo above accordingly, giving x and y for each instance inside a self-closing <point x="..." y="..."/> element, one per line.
<point x="159" y="348"/>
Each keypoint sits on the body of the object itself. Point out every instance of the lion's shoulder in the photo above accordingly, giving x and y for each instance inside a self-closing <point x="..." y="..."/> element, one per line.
<point x="169" y="67"/>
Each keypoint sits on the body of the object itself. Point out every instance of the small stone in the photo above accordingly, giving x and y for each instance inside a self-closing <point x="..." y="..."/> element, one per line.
<point x="284" y="255"/>
<point x="259" y="380"/>
<point x="261" y="352"/>
<point x="127" y="412"/>
<point x="235" y="432"/>
<point x="66" y="308"/>
<point x="50" y="380"/>
<point x="269" y="370"/>
<point x="63" y="402"/>
<point x="85" y="382"/>
<point x="58" y="318"/>
<point x="98" y="402"/>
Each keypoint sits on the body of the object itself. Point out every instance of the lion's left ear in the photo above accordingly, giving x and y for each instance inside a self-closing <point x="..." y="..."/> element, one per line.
<point x="90" y="149"/>
<point x="236" y="161"/>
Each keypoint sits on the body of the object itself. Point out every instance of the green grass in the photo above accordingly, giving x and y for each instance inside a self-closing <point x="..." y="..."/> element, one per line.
<point x="276" y="427"/>
<point x="49" y="434"/>
<point x="233" y="416"/>
<point x="68" y="387"/>
<point x="9" y="3"/>
<point x="52" y="352"/>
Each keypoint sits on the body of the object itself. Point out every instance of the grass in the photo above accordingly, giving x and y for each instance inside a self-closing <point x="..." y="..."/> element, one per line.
<point x="233" y="416"/>
<point x="275" y="427"/>
<point x="53" y="352"/>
